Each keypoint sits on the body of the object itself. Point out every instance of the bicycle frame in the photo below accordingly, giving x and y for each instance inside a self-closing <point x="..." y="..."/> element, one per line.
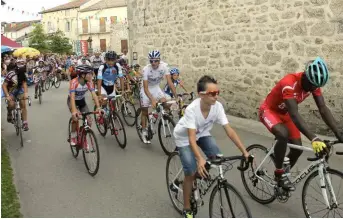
<point x="319" y="165"/>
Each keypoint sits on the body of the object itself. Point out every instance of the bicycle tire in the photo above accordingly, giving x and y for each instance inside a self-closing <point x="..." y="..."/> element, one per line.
<point x="138" y="123"/>
<point x="123" y="113"/>
<point x="306" y="184"/>
<point x="15" y="122"/>
<point x="244" y="180"/>
<point x="97" y="150"/>
<point x="20" y="128"/>
<point x="227" y="186"/>
<point x="47" y="83"/>
<point x="57" y="83"/>
<point x="40" y="94"/>
<point x="114" y="118"/>
<point x="103" y="133"/>
<point x="170" y="157"/>
<point x="160" y="131"/>
<point x="72" y="148"/>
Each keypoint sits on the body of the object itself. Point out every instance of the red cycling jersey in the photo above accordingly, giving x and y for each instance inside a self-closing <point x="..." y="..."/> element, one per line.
<point x="273" y="110"/>
<point x="288" y="87"/>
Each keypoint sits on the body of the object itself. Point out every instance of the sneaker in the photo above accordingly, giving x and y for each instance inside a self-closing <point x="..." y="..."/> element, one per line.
<point x="144" y="137"/>
<point x="25" y="126"/>
<point x="283" y="181"/>
<point x="187" y="214"/>
<point x="73" y="141"/>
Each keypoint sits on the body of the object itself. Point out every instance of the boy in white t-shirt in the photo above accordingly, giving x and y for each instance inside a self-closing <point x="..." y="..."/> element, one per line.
<point x="193" y="131"/>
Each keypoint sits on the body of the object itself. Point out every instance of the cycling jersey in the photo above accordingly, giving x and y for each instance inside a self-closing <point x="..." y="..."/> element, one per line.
<point x="287" y="88"/>
<point x="155" y="76"/>
<point x="12" y="83"/>
<point x="167" y="89"/>
<point x="80" y="90"/>
<point x="96" y="61"/>
<point x="109" y="75"/>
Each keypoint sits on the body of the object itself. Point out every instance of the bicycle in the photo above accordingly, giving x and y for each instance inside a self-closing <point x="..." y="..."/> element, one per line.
<point x="82" y="143"/>
<point x="52" y="80"/>
<point x="165" y="120"/>
<point x="318" y="166"/>
<point x="40" y="94"/>
<point x="16" y="117"/>
<point x="202" y="186"/>
<point x="127" y="109"/>
<point x="181" y="103"/>
<point x="111" y="120"/>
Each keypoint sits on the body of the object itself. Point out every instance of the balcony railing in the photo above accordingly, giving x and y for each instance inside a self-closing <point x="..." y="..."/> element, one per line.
<point x="94" y="29"/>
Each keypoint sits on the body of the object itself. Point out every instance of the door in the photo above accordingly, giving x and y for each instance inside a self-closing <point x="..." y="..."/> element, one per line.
<point x="85" y="25"/>
<point x="103" y="45"/>
<point x="102" y="24"/>
<point x="124" y="46"/>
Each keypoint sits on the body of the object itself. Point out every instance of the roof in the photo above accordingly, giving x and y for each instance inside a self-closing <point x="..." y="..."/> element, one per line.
<point x="69" y="5"/>
<point x="3" y="3"/>
<point x="7" y="42"/>
<point x="19" y="25"/>
<point x="105" y="4"/>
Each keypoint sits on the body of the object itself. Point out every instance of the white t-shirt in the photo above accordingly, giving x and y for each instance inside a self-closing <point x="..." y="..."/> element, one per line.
<point x="79" y="62"/>
<point x="155" y="76"/>
<point x="193" y="119"/>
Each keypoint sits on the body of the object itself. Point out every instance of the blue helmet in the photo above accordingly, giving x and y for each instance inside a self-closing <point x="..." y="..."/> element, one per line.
<point x="155" y="54"/>
<point x="317" y="72"/>
<point x="174" y="71"/>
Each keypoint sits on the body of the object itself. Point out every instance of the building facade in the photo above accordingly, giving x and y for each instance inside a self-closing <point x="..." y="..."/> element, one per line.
<point x="248" y="45"/>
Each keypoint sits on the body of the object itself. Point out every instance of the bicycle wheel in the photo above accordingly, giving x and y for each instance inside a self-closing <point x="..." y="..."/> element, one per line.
<point x="57" y="82"/>
<point x="14" y="120"/>
<point x="138" y="123"/>
<point x="252" y="183"/>
<point x="233" y="198"/>
<point x="40" y="94"/>
<point x="128" y="112"/>
<point x="311" y="209"/>
<point x="118" y="127"/>
<point x="175" y="178"/>
<point x="47" y="83"/>
<point x="20" y="127"/>
<point x="74" y="149"/>
<point x="169" y="126"/>
<point x="90" y="150"/>
<point x="101" y="123"/>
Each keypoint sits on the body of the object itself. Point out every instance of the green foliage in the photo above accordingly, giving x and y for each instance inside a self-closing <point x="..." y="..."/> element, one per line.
<point x="58" y="43"/>
<point x="38" y="38"/>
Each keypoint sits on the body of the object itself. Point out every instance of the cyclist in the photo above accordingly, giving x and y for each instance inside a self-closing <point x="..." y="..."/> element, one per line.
<point x="136" y="68"/>
<point x="193" y="131"/>
<point x="83" y="61"/>
<point x="15" y="86"/>
<point x="108" y="74"/>
<point x="151" y="92"/>
<point x="38" y="74"/>
<point x="279" y="113"/>
<point x="174" y="72"/>
<point x="96" y="62"/>
<point x="76" y="98"/>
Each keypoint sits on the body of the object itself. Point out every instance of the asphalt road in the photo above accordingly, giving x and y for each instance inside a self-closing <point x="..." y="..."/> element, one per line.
<point x="130" y="182"/>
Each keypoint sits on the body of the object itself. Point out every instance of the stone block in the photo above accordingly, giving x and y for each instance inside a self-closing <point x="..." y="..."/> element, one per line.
<point x="227" y="36"/>
<point x="319" y="2"/>
<point x="270" y="46"/>
<point x="298" y="3"/>
<point x="319" y="41"/>
<point x="199" y="62"/>
<point x="271" y="58"/>
<point x="334" y="51"/>
<point x="288" y="15"/>
<point x="289" y="65"/>
<point x="298" y="29"/>
<point x="237" y="61"/>
<point x="274" y="16"/>
<point x="336" y="7"/>
<point x="247" y="81"/>
<point x="312" y="51"/>
<point x="281" y="46"/>
<point x="323" y="28"/>
<point x="264" y="8"/>
<point x="262" y="19"/>
<point x="260" y="2"/>
<point x="317" y="13"/>
<point x="251" y="61"/>
<point x="216" y="18"/>
<point x="243" y="18"/>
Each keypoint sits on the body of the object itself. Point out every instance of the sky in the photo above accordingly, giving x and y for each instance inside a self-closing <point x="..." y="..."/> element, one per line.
<point x="31" y="6"/>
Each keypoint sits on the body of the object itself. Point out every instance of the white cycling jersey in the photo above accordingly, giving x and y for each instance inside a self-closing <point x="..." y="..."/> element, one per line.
<point x="155" y="76"/>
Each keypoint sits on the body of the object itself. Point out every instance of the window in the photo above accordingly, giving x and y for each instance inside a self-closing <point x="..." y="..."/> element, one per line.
<point x="102" y="24"/>
<point x="49" y="25"/>
<point x="68" y="26"/>
<point x="113" y="19"/>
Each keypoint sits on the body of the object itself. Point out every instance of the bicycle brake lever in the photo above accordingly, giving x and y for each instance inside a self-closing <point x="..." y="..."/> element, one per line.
<point x="246" y="163"/>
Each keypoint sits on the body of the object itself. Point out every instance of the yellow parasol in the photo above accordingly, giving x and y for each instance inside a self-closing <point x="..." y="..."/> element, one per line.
<point x="26" y="51"/>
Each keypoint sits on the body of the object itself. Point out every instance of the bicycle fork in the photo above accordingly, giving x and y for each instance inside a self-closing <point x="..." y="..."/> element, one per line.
<point x="325" y="176"/>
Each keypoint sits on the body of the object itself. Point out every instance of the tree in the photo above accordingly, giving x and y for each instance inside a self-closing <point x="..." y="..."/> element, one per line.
<point x="58" y="43"/>
<point x="38" y="38"/>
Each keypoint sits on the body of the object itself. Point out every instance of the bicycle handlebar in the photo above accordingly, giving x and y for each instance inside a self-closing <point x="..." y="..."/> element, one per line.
<point x="18" y="99"/>
<point x="183" y="94"/>
<point x="219" y="160"/>
<point x="329" y="144"/>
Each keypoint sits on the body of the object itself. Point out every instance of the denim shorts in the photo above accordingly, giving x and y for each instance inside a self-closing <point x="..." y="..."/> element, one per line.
<point x="208" y="146"/>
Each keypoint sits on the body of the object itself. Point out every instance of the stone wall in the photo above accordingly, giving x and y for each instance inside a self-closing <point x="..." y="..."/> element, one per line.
<point x="248" y="45"/>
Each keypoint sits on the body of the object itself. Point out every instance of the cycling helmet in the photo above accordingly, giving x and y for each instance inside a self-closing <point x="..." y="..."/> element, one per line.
<point x="84" y="69"/>
<point x="111" y="55"/>
<point x="155" y="54"/>
<point x="174" y="71"/>
<point x="136" y="66"/>
<point x="317" y="72"/>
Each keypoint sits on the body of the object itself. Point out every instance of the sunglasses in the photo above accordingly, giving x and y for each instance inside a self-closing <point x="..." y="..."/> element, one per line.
<point x="210" y="93"/>
<point x="152" y="61"/>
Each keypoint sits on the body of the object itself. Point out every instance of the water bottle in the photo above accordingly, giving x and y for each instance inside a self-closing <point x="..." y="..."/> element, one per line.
<point x="286" y="165"/>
